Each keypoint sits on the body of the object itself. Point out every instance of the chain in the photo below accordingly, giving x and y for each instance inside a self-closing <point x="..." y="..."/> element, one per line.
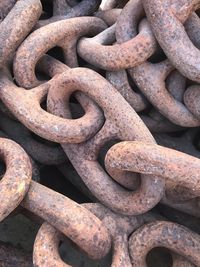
<point x="107" y="93"/>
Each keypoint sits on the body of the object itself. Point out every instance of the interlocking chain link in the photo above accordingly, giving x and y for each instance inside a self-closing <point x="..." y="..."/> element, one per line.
<point x="106" y="92"/>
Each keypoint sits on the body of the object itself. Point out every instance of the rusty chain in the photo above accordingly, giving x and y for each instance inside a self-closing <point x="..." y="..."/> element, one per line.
<point x="106" y="93"/>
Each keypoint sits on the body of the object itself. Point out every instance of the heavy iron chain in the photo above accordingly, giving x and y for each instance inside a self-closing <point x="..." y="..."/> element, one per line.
<point x="119" y="101"/>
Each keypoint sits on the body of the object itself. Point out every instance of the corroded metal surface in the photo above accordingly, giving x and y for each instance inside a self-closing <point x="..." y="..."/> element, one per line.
<point x="163" y="14"/>
<point x="44" y="152"/>
<point x="163" y="162"/>
<point x="41" y="122"/>
<point x="46" y="252"/>
<point x="87" y="89"/>
<point x="16" y="26"/>
<point x="5" y="7"/>
<point x="173" y="236"/>
<point x="97" y="50"/>
<point x="64" y="34"/>
<point x="86" y="166"/>
<point x="150" y="78"/>
<point x="86" y="163"/>
<point x="16" y="180"/>
<point x="84" y="8"/>
<point x="70" y="218"/>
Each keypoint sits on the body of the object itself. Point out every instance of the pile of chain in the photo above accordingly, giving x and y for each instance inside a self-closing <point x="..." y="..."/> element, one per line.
<point x="110" y="87"/>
